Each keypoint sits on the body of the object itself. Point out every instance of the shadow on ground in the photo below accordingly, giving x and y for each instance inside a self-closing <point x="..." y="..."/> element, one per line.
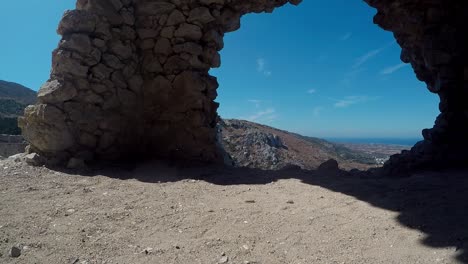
<point x="436" y="203"/>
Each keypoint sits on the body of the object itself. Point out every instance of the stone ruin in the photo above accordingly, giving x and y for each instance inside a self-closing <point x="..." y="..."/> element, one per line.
<point x="130" y="79"/>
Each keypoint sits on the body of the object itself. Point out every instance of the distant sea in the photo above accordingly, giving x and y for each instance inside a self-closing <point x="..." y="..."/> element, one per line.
<point x="386" y="141"/>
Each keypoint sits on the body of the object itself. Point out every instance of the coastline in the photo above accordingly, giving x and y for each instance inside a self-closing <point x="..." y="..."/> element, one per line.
<point x="407" y="142"/>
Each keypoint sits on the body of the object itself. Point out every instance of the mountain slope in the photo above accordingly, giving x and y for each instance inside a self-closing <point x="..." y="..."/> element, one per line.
<point x="17" y="92"/>
<point x="259" y="146"/>
<point x="13" y="99"/>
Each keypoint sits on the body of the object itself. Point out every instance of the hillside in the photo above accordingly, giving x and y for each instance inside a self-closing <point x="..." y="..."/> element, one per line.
<point x="11" y="108"/>
<point x="17" y="92"/>
<point x="13" y="99"/>
<point x="258" y="146"/>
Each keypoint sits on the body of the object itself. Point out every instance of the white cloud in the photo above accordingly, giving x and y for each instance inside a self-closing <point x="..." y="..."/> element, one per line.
<point x="352" y="100"/>
<point x="267" y="114"/>
<point x="317" y="111"/>
<point x="369" y="55"/>
<point x="392" y="69"/>
<point x="262" y="67"/>
<point x="346" y="36"/>
<point x="270" y="118"/>
<point x="357" y="67"/>
<point x="364" y="58"/>
<point x="311" y="91"/>
<point x="351" y="75"/>
<point x="255" y="102"/>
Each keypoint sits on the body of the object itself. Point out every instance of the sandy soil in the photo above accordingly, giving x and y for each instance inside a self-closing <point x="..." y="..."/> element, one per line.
<point x="155" y="213"/>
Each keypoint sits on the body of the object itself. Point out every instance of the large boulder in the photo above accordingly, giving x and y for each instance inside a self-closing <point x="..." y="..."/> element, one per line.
<point x="45" y="128"/>
<point x="329" y="166"/>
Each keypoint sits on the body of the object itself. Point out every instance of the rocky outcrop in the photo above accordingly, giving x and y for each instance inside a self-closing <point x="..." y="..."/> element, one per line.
<point x="252" y="145"/>
<point x="130" y="78"/>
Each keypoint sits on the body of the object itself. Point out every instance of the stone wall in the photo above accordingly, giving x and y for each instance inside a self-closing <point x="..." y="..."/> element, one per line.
<point x="432" y="34"/>
<point x="11" y="145"/>
<point x="130" y="77"/>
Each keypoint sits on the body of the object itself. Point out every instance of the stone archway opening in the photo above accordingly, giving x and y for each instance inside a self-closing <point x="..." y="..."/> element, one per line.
<point x="274" y="72"/>
<point x="130" y="78"/>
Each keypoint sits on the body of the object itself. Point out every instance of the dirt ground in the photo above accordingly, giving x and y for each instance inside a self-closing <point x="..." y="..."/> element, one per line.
<point x="157" y="213"/>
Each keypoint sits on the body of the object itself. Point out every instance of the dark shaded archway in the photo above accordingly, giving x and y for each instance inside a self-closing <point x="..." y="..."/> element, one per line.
<point x="130" y="78"/>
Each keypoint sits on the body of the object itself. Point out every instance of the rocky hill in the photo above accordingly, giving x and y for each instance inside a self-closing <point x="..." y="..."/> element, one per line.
<point x="13" y="99"/>
<point x="17" y="92"/>
<point x="258" y="146"/>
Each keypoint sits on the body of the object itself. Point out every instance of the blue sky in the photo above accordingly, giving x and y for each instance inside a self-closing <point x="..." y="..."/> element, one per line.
<point x="319" y="69"/>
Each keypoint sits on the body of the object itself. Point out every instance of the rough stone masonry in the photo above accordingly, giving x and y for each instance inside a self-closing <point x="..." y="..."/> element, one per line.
<point x="130" y="78"/>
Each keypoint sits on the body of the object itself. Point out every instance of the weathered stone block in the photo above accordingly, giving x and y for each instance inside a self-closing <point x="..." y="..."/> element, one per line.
<point x="56" y="91"/>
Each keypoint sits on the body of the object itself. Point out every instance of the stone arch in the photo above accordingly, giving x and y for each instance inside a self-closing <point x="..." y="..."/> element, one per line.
<point x="130" y="77"/>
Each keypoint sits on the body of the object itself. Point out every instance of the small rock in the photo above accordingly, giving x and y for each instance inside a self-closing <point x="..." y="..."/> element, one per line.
<point x="329" y="167"/>
<point x="15" y="252"/>
<point x="245" y="247"/>
<point x="34" y="159"/>
<point x="223" y="259"/>
<point x="147" y="250"/>
<point x="355" y="172"/>
<point x="250" y="201"/>
<point x="290" y="202"/>
<point x="16" y="157"/>
<point x="69" y="212"/>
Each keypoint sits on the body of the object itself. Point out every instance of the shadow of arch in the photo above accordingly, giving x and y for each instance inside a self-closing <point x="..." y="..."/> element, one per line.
<point x="434" y="203"/>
